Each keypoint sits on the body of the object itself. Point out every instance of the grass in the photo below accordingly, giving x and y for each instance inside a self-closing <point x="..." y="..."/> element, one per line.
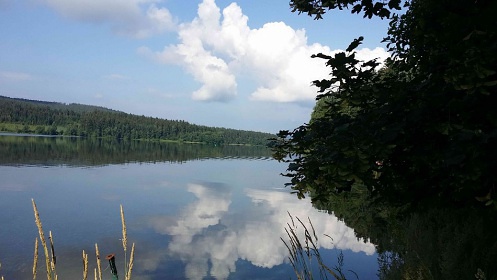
<point x="305" y="256"/>
<point x="50" y="257"/>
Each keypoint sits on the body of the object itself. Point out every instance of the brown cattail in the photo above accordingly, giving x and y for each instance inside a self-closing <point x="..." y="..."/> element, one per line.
<point x="43" y="241"/>
<point x="35" y="259"/>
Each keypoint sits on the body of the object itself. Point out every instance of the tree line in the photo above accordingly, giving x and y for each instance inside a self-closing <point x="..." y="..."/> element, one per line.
<point x="51" y="118"/>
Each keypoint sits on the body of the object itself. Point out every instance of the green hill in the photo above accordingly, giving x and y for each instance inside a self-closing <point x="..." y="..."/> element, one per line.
<point x="54" y="118"/>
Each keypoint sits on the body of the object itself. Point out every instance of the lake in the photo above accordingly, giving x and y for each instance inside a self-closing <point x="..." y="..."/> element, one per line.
<point x="193" y="211"/>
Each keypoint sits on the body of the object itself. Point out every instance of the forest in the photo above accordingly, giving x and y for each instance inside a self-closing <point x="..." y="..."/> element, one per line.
<point x="53" y="118"/>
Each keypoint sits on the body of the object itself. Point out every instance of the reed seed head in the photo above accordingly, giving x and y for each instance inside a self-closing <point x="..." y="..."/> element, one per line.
<point x="99" y="265"/>
<point x="131" y="259"/>
<point x="125" y="237"/>
<point x="35" y="259"/>
<point x="43" y="240"/>
<point x="85" y="265"/>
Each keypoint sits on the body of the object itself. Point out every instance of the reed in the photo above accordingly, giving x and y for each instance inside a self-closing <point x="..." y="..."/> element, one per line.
<point x="131" y="258"/>
<point x="125" y="242"/>
<point x="304" y="255"/>
<point x="99" y="265"/>
<point x="85" y="265"/>
<point x="35" y="259"/>
<point x="48" y="265"/>
<point x="52" y="250"/>
<point x="125" y="236"/>
<point x="50" y="257"/>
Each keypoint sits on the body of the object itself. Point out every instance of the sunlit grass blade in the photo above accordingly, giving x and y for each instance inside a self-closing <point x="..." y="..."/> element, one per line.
<point x="99" y="265"/>
<point x="131" y="259"/>
<point x="124" y="240"/>
<point x="53" y="260"/>
<point x="35" y="259"/>
<point x="85" y="265"/>
<point x="43" y="240"/>
<point x="303" y="253"/>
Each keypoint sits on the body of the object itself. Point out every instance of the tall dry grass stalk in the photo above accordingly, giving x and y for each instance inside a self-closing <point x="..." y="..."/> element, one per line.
<point x="125" y="236"/>
<point x="43" y="241"/>
<point x="50" y="259"/>
<point x="125" y="242"/>
<point x="305" y="256"/>
<point x="52" y="249"/>
<point x="85" y="265"/>
<point x="131" y="259"/>
<point x="35" y="259"/>
<point x="99" y="265"/>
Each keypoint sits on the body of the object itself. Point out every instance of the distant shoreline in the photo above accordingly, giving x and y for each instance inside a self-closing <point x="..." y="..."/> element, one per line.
<point x="6" y="133"/>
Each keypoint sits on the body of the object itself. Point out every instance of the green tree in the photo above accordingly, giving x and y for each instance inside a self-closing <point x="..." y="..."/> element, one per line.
<point x="422" y="129"/>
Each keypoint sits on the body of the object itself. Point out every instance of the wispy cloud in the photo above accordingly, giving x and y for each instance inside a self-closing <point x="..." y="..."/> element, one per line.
<point x="135" y="18"/>
<point x="116" y="77"/>
<point x="217" y="48"/>
<point x="15" y="76"/>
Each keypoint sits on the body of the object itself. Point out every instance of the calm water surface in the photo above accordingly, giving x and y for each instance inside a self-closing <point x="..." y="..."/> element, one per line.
<point x="194" y="212"/>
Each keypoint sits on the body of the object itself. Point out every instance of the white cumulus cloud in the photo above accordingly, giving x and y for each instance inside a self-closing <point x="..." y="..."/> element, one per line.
<point x="217" y="48"/>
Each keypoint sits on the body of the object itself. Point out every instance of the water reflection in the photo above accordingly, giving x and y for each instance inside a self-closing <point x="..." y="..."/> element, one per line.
<point x="185" y="225"/>
<point x="209" y="236"/>
<point x="53" y="151"/>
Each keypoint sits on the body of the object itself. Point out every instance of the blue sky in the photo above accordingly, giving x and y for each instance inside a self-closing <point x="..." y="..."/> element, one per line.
<point x="243" y="65"/>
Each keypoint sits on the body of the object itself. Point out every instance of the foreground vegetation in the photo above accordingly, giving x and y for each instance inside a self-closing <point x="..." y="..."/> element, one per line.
<point x="52" y="118"/>
<point x="51" y="258"/>
<point x="405" y="152"/>
<point x="304" y="255"/>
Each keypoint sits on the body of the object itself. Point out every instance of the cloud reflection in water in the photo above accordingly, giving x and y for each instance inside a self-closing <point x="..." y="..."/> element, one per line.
<point x="209" y="236"/>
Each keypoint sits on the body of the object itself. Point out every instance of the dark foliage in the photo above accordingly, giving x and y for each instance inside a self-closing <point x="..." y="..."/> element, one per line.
<point x="420" y="131"/>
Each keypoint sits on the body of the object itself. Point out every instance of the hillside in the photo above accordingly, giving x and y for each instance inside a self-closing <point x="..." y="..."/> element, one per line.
<point x="53" y="118"/>
<point x="80" y="108"/>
